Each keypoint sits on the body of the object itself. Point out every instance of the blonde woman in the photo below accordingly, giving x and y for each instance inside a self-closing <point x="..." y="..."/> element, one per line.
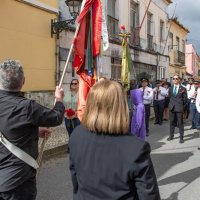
<point x="106" y="162"/>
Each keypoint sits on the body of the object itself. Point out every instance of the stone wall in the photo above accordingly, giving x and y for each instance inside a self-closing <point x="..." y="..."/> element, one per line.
<point x="59" y="134"/>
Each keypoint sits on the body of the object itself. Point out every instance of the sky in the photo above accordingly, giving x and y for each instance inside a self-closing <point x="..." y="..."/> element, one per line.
<point x="188" y="13"/>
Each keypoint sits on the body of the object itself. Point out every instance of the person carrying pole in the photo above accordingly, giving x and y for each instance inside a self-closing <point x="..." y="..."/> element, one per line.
<point x="20" y="122"/>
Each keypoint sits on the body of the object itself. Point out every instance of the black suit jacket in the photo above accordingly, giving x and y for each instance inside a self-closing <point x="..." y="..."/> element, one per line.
<point x="105" y="167"/>
<point x="19" y="122"/>
<point x="177" y="103"/>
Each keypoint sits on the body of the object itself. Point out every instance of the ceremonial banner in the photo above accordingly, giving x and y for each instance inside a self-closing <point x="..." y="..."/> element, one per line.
<point x="127" y="64"/>
<point x="86" y="49"/>
<point x="104" y="32"/>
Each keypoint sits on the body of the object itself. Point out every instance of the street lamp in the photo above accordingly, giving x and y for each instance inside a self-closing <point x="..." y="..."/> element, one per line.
<point x="59" y="26"/>
<point x="74" y="7"/>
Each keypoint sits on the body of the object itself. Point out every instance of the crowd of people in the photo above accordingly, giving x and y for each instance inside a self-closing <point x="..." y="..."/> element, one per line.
<point x="173" y="103"/>
<point x="109" y="157"/>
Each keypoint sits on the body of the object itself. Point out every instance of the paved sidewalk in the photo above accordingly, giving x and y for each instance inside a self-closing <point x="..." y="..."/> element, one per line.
<point x="177" y="165"/>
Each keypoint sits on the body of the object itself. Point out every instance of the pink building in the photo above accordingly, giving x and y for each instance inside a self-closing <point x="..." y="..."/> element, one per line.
<point x="191" y="61"/>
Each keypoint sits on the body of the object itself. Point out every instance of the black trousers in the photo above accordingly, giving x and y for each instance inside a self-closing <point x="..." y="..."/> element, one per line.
<point x="147" y="115"/>
<point x="158" y="110"/>
<point x="176" y="119"/>
<point x="26" y="191"/>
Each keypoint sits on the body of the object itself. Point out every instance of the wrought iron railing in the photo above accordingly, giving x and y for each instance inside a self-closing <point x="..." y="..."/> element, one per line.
<point x="135" y="36"/>
<point x="113" y="27"/>
<point x="179" y="57"/>
<point x="150" y="42"/>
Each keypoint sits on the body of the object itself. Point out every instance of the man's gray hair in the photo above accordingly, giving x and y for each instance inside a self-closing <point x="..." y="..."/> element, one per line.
<point x="11" y="75"/>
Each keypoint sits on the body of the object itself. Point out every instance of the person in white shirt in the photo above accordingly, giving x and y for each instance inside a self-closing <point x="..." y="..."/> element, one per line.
<point x="147" y="100"/>
<point x="193" y="108"/>
<point x="158" y="102"/>
<point x="166" y="109"/>
<point x="190" y="89"/>
<point x="198" y="109"/>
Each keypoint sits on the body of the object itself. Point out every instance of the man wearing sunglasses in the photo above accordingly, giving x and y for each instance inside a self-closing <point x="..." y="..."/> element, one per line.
<point x="178" y="99"/>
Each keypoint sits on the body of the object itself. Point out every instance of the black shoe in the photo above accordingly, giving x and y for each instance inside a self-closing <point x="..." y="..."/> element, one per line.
<point x="155" y="122"/>
<point x="181" y="141"/>
<point x="192" y="127"/>
<point x="198" y="148"/>
<point x="170" y="138"/>
<point x="68" y="151"/>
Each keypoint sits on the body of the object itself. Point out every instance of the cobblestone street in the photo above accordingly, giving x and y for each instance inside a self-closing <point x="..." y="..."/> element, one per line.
<point x="176" y="166"/>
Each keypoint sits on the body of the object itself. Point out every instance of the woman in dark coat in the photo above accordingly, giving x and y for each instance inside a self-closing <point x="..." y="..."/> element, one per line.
<point x="106" y="162"/>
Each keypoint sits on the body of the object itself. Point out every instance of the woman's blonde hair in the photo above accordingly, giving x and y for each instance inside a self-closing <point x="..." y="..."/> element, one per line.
<point x="107" y="109"/>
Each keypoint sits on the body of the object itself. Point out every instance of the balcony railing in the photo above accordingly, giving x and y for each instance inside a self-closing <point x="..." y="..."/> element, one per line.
<point x="179" y="58"/>
<point x="113" y="27"/>
<point x="150" y="42"/>
<point x="135" y="36"/>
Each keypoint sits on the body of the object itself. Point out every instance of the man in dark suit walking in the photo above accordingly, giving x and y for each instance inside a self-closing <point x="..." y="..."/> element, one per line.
<point x="178" y="98"/>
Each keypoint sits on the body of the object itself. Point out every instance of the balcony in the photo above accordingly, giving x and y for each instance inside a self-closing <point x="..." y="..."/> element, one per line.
<point x="135" y="37"/>
<point x="149" y="42"/>
<point x="113" y="27"/>
<point x="179" y="58"/>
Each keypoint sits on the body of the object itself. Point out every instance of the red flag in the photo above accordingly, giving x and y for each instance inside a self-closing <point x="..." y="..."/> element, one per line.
<point x="80" y="48"/>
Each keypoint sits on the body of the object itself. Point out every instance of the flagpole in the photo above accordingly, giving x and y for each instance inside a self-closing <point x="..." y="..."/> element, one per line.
<point x="39" y="159"/>
<point x="71" y="48"/>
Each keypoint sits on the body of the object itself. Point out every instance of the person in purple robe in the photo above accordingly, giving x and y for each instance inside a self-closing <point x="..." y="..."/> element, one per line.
<point x="138" y="119"/>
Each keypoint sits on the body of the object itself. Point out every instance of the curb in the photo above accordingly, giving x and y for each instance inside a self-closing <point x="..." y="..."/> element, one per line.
<point x="62" y="149"/>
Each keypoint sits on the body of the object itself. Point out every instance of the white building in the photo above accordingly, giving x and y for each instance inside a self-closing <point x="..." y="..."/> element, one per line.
<point x="149" y="31"/>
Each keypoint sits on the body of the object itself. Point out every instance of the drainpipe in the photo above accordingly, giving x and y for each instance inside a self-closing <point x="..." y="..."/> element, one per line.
<point x="57" y="61"/>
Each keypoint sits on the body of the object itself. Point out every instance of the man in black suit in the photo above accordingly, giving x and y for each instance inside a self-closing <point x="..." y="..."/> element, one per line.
<point x="178" y="98"/>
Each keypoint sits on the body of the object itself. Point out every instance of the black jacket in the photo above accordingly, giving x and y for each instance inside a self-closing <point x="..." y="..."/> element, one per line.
<point x="19" y="122"/>
<point x="107" y="167"/>
<point x="177" y="103"/>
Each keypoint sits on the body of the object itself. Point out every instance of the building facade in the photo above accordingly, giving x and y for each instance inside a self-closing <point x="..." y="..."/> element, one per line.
<point x="192" y="61"/>
<point x="148" y="28"/>
<point x="148" y="43"/>
<point x="177" y="48"/>
<point x="25" y="35"/>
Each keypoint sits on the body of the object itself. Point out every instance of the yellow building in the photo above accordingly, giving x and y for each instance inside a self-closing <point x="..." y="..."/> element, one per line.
<point x="177" y="42"/>
<point x="25" y="35"/>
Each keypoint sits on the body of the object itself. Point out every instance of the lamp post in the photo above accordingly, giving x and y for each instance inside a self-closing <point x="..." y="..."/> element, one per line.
<point x="59" y="26"/>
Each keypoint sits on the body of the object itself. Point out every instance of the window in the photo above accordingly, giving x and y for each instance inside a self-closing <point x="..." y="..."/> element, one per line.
<point x="134" y="23"/>
<point x="112" y="8"/>
<point x="177" y="43"/>
<point x="161" y="31"/>
<point x="149" y="23"/>
<point x="183" y="46"/>
<point x="171" y="40"/>
<point x="144" y="70"/>
<point x="149" y="31"/>
<point x="116" y="68"/>
<point x="112" y="18"/>
<point x="134" y="15"/>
